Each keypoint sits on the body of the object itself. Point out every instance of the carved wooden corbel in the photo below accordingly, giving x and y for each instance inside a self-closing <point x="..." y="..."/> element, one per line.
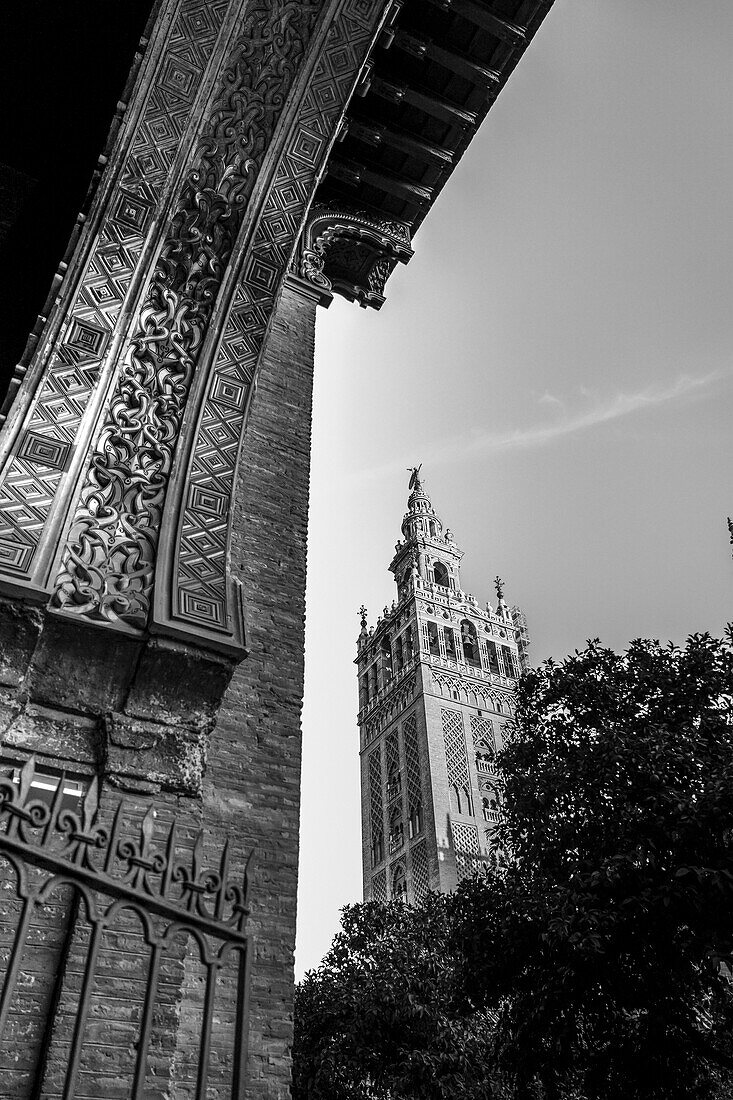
<point x="351" y="253"/>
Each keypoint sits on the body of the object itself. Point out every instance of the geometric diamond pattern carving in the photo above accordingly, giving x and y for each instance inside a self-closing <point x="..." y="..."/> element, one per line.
<point x="216" y="445"/>
<point x="455" y="748"/>
<point x="467" y="849"/>
<point x="379" y="888"/>
<point x="482" y="731"/>
<point x="419" y="866"/>
<point x="73" y="366"/>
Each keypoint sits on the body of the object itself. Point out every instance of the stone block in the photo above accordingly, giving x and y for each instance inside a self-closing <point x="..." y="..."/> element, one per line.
<point x="176" y="683"/>
<point x="78" y="667"/>
<point x="20" y="628"/>
<point x="150" y="756"/>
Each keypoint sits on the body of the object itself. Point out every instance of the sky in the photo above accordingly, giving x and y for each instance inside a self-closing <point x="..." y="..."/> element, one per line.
<point x="558" y="355"/>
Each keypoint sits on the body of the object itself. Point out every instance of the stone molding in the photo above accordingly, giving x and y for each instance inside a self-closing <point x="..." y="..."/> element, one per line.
<point x="195" y="594"/>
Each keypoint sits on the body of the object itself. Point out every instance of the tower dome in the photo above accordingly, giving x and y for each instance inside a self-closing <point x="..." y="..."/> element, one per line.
<point x="420" y="518"/>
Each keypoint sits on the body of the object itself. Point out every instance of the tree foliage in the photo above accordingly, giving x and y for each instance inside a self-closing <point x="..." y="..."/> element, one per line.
<point x="592" y="962"/>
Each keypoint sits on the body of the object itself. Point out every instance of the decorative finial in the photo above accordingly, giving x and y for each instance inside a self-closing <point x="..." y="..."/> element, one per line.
<point x="414" y="472"/>
<point x="499" y="586"/>
<point x="363" y="613"/>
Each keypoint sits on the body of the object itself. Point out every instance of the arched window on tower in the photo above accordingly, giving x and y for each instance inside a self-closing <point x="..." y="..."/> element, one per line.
<point x="432" y="528"/>
<point x="414" y="823"/>
<point x="440" y="574"/>
<point x="407" y="644"/>
<point x="399" y="884"/>
<point x="460" y="800"/>
<point x="510" y="662"/>
<point x="396" y="831"/>
<point x="490" y="807"/>
<point x="470" y="644"/>
<point x="394" y="781"/>
<point x="398" y="654"/>
<point x="493" y="658"/>
<point x="450" y="643"/>
<point x="387" y="657"/>
<point x="433" y="642"/>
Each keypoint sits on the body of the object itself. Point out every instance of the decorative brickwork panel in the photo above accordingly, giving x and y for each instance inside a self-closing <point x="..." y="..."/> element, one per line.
<point x="467" y="848"/>
<point x="379" y="888"/>
<point x="419" y="862"/>
<point x="413" y="771"/>
<point x="456" y="756"/>
<point x="392" y="761"/>
<point x="32" y="475"/>
<point x="376" y="809"/>
<point x="482" y="732"/>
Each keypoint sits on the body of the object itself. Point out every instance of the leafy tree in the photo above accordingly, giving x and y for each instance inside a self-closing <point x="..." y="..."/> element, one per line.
<point x="611" y="924"/>
<point x="592" y="962"/>
<point x="386" y="1013"/>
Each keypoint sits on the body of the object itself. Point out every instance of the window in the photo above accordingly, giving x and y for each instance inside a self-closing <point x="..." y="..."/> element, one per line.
<point x="365" y="689"/>
<point x="414" y="824"/>
<point x="398" y="654"/>
<point x="399" y="884"/>
<point x="432" y="531"/>
<point x="510" y="663"/>
<point x="433" y="643"/>
<point x="386" y="658"/>
<point x="377" y="848"/>
<point x="407" y="644"/>
<point x="396" y="831"/>
<point x="440" y="574"/>
<point x="460" y="800"/>
<point x="45" y="784"/>
<point x="470" y="644"/>
<point x="450" y="643"/>
<point x="490" y="807"/>
<point x="493" y="658"/>
<point x="394" y="782"/>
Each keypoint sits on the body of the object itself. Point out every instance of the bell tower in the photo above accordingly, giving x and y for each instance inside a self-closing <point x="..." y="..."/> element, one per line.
<point x="437" y="675"/>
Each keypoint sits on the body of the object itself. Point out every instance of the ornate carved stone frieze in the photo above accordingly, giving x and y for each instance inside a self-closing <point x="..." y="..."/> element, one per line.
<point x="352" y="253"/>
<point x="194" y="593"/>
<point x="55" y="409"/>
<point x="108" y="568"/>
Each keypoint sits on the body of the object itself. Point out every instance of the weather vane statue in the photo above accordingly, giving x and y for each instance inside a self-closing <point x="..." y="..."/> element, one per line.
<point x="499" y="586"/>
<point x="363" y="614"/>
<point x="414" y="472"/>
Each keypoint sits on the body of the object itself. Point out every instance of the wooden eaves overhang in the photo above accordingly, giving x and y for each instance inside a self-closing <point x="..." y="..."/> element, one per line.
<point x="430" y="80"/>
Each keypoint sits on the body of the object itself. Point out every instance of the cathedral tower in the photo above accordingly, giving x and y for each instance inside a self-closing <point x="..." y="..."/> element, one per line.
<point x="436" y="680"/>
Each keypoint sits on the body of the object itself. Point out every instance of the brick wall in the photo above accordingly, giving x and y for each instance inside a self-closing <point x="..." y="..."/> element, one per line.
<point x="252" y="785"/>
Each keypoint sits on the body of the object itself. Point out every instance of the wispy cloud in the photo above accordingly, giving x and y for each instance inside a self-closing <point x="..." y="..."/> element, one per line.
<point x="550" y="399"/>
<point x="599" y="412"/>
<point x="595" y="411"/>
